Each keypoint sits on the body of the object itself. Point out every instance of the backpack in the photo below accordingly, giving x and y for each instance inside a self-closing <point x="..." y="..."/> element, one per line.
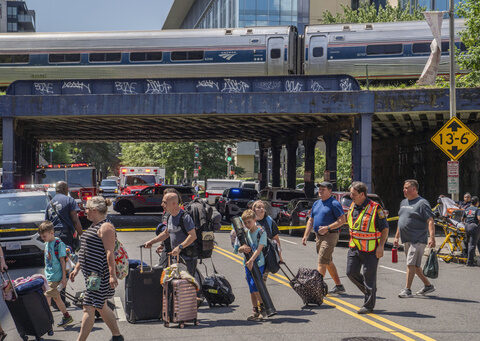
<point x="270" y="252"/>
<point x="207" y="220"/>
<point x="121" y="260"/>
<point x="216" y="289"/>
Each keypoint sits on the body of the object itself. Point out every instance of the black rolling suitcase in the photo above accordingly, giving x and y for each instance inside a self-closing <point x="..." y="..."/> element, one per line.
<point x="143" y="293"/>
<point x="30" y="312"/>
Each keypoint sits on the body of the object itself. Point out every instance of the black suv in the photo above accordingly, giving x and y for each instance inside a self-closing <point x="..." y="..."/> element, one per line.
<point x="149" y="199"/>
<point x="234" y="201"/>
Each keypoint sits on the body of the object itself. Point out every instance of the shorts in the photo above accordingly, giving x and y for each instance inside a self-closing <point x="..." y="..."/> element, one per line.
<point x="52" y="290"/>
<point x="325" y="245"/>
<point x="250" y="281"/>
<point x="414" y="253"/>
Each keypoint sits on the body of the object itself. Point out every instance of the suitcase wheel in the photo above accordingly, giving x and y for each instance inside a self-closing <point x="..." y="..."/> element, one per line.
<point x="50" y="333"/>
<point x="196" y="322"/>
<point x="181" y="325"/>
<point x="24" y="337"/>
<point x="38" y="338"/>
<point x="211" y="305"/>
<point x="166" y="324"/>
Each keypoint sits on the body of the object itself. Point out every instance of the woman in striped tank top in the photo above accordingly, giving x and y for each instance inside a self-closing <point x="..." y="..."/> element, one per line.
<point x="96" y="255"/>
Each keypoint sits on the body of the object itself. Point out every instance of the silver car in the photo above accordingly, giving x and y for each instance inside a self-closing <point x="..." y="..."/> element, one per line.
<point x="108" y="188"/>
<point x="21" y="212"/>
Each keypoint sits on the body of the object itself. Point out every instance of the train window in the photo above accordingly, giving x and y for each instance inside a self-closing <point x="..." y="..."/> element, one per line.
<point x="317" y="52"/>
<point x="384" y="49"/>
<point x="104" y="57"/>
<point x="190" y="55"/>
<point x="14" y="58"/>
<point x="421" y="48"/>
<point x="64" y="58"/>
<point x="275" y="53"/>
<point x="145" y="56"/>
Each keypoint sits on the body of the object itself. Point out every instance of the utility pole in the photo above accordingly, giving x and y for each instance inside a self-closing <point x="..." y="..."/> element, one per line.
<point x="51" y="155"/>
<point x="453" y="103"/>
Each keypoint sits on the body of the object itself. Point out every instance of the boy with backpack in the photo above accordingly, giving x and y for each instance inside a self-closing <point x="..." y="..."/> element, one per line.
<point x="55" y="268"/>
<point x="256" y="246"/>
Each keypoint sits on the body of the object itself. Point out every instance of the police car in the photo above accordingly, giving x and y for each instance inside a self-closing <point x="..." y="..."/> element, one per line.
<point x="21" y="212"/>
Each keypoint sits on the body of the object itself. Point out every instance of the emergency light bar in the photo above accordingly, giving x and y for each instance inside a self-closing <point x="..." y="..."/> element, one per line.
<point x="66" y="165"/>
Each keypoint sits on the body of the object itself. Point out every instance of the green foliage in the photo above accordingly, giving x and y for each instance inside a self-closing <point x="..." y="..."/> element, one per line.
<point x="470" y="59"/>
<point x="61" y="152"/>
<point x="344" y="165"/>
<point x="177" y="157"/>
<point x="368" y="13"/>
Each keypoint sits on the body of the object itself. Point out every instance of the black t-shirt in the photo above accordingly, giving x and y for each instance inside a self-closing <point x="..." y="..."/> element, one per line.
<point x="472" y="214"/>
<point x="271" y="232"/>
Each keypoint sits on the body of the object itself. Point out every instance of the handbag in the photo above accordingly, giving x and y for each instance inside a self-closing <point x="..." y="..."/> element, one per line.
<point x="430" y="269"/>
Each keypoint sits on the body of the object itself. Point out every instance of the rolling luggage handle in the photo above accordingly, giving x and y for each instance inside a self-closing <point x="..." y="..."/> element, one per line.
<point x="286" y="275"/>
<point x="9" y="280"/>
<point x="141" y="259"/>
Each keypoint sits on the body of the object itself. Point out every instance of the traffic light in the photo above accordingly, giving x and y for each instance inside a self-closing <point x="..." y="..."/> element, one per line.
<point x="197" y="152"/>
<point x="51" y="150"/>
<point x="229" y="154"/>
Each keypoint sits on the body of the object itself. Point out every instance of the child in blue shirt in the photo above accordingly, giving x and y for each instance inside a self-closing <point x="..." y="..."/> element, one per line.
<point x="256" y="246"/>
<point x="55" y="272"/>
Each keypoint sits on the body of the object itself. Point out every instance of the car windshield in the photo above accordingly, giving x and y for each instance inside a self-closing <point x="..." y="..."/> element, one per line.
<point x="347" y="201"/>
<point x="287" y="196"/>
<point x="111" y="183"/>
<point x="138" y="180"/>
<point x="238" y="193"/>
<point x="23" y="205"/>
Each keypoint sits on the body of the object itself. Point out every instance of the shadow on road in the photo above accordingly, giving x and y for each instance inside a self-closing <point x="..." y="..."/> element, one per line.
<point x="403" y="314"/>
<point x="446" y="299"/>
<point x="365" y="338"/>
<point x="219" y="309"/>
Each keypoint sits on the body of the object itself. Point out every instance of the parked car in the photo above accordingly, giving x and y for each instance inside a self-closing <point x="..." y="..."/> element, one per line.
<point x="278" y="198"/>
<point x="346" y="201"/>
<point x="296" y="214"/>
<point x="149" y="199"/>
<point x="215" y="187"/>
<point x="22" y="209"/>
<point x="301" y="186"/>
<point x="108" y="188"/>
<point x="234" y="201"/>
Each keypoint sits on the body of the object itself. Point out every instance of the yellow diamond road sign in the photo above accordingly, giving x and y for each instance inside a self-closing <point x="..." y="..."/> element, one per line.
<point x="454" y="138"/>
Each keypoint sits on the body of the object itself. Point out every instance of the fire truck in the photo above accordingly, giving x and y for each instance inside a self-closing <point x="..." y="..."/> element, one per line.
<point x="80" y="177"/>
<point x="134" y="179"/>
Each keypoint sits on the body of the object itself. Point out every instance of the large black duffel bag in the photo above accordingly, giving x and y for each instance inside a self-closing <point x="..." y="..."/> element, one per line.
<point x="216" y="289"/>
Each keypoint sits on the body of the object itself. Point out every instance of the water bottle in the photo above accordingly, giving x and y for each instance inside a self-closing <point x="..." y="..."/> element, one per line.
<point x="394" y="255"/>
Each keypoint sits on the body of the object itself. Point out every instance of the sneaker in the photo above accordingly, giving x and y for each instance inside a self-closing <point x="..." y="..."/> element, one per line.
<point x="337" y="289"/>
<point x="364" y="310"/>
<point x="263" y="311"/>
<point x="426" y="290"/>
<point x="65" y="321"/>
<point x="405" y="293"/>
<point x="255" y="315"/>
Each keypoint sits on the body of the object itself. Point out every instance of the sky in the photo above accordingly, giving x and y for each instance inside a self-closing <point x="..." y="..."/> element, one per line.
<point x="99" y="15"/>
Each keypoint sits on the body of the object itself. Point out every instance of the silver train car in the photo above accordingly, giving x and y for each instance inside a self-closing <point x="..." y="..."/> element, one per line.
<point x="387" y="50"/>
<point x="390" y="50"/>
<point x="258" y="51"/>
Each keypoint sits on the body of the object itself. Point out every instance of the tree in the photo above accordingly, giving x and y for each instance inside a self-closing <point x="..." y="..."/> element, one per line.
<point x="344" y="165"/>
<point x="368" y="13"/>
<point x="178" y="157"/>
<point x="470" y="59"/>
<point x="105" y="156"/>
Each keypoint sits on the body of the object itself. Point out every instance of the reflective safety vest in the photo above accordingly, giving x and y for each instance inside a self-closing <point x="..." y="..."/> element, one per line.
<point x="363" y="233"/>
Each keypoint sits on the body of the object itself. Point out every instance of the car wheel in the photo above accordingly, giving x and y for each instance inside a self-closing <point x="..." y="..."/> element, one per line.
<point x="125" y="208"/>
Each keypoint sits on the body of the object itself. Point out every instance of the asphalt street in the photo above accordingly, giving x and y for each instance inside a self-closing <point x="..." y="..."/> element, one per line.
<point x="450" y="313"/>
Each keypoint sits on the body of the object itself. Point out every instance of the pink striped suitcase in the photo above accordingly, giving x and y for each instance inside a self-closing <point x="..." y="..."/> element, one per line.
<point x="179" y="303"/>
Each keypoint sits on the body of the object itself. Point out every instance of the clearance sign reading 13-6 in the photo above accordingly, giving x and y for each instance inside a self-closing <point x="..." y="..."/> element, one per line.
<point x="454" y="138"/>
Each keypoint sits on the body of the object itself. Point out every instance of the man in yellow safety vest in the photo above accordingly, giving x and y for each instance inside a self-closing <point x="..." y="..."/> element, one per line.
<point x="368" y="232"/>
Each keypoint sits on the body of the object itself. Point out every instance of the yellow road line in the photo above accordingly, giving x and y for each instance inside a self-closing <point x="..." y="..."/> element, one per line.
<point x="284" y="280"/>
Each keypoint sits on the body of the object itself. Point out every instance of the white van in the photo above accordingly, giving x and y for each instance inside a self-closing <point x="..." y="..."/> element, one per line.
<point x="251" y="185"/>
<point x="215" y="188"/>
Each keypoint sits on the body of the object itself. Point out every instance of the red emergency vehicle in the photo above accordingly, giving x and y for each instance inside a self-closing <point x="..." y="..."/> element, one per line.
<point x="134" y="179"/>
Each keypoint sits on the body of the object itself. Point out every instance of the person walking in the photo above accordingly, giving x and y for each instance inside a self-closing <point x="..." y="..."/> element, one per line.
<point x="472" y="219"/>
<point x="326" y="218"/>
<point x="269" y="226"/>
<point x="415" y="220"/>
<point x="368" y="233"/>
<point x="3" y="268"/>
<point x="97" y="262"/>
<point x="62" y="211"/>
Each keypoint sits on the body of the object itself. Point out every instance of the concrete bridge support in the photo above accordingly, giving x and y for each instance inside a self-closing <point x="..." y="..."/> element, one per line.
<point x="362" y="149"/>
<point x="292" y="146"/>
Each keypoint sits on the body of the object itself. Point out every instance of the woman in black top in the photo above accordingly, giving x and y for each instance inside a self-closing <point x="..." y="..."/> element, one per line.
<point x="96" y="255"/>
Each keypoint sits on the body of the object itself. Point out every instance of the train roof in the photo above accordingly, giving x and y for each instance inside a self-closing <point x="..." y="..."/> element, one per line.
<point x="377" y="27"/>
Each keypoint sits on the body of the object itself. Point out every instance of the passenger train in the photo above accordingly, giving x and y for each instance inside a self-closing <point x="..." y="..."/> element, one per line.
<point x="390" y="50"/>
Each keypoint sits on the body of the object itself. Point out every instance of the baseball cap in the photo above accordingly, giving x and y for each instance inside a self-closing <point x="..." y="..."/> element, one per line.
<point x="325" y="184"/>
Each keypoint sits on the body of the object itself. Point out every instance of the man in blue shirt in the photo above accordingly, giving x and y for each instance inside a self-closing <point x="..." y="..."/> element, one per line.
<point x="62" y="212"/>
<point x="326" y="218"/>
